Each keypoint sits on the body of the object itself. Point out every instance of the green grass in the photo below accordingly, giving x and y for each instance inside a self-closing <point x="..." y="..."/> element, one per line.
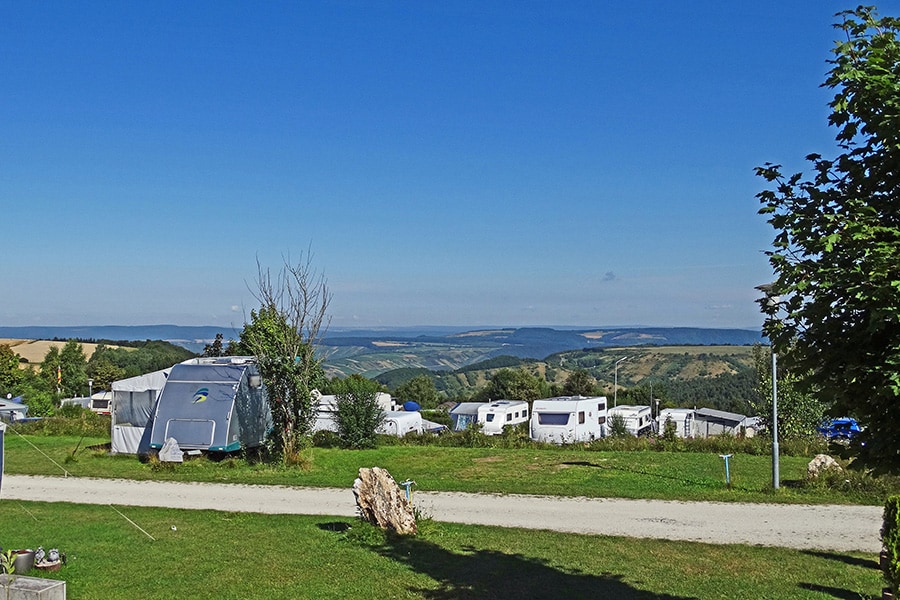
<point x="245" y="556"/>
<point x="549" y="471"/>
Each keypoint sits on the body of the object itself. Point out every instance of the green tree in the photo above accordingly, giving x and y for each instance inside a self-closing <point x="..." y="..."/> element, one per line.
<point x="799" y="412"/>
<point x="419" y="389"/>
<point x="617" y="426"/>
<point x="216" y="348"/>
<point x="513" y="384"/>
<point x="833" y="312"/>
<point x="358" y="414"/>
<point x="73" y="368"/>
<point x="51" y="371"/>
<point x="283" y="334"/>
<point x="579" y="383"/>
<point x="10" y="373"/>
<point x="104" y="373"/>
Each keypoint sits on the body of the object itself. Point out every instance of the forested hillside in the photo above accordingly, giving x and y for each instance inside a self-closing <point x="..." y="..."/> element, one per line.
<point x="720" y="377"/>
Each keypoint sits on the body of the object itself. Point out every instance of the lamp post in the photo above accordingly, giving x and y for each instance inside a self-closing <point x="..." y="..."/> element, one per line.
<point x="773" y="300"/>
<point x="616" y="383"/>
<point x="90" y="387"/>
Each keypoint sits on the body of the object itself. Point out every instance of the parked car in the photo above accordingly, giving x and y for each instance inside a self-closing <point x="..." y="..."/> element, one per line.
<point x="840" y="429"/>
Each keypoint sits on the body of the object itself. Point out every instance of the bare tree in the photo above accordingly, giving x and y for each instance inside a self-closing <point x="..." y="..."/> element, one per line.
<point x="283" y="335"/>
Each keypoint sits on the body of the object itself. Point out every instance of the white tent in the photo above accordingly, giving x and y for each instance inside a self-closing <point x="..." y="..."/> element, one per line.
<point x="133" y="401"/>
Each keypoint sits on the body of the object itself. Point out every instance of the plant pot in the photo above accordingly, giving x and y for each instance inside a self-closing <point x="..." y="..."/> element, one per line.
<point x="23" y="562"/>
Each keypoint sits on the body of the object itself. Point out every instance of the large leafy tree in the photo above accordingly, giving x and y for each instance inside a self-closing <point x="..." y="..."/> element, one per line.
<point x="283" y="334"/>
<point x="10" y="373"/>
<point x="834" y="310"/>
<point x="419" y="389"/>
<point x="514" y="384"/>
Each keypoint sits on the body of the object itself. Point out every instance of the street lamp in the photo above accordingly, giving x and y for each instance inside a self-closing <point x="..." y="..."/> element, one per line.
<point x="90" y="387"/>
<point x="773" y="300"/>
<point x="616" y="385"/>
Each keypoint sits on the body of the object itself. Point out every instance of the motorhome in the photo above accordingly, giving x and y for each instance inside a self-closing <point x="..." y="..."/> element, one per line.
<point x="638" y="419"/>
<point x="681" y="418"/>
<point x="494" y="416"/>
<point x="568" y="419"/>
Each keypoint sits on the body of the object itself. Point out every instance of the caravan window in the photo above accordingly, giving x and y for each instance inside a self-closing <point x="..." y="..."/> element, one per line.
<point x="490" y="417"/>
<point x="581" y="417"/>
<point x="553" y="418"/>
<point x="601" y="420"/>
<point x="601" y="407"/>
<point x="509" y="416"/>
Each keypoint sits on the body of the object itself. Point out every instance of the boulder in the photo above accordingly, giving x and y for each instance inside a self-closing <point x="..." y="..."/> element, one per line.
<point x="821" y="463"/>
<point x="381" y="502"/>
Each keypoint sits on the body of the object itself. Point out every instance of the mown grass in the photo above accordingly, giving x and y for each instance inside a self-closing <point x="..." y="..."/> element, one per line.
<point x="208" y="554"/>
<point x="570" y="471"/>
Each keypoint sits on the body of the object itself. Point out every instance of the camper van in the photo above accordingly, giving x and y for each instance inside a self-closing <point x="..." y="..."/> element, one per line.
<point x="638" y="419"/>
<point x="683" y="418"/>
<point x="494" y="416"/>
<point x="213" y="404"/>
<point x="568" y="419"/>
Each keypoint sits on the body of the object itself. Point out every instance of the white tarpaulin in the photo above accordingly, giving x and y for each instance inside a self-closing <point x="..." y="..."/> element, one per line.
<point x="133" y="400"/>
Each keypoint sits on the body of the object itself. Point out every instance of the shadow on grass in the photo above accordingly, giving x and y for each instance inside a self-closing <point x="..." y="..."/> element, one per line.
<point x="847" y="560"/>
<point x="480" y="573"/>
<point x="831" y="591"/>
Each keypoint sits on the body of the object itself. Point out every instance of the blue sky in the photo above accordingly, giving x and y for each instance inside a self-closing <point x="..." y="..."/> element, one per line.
<point x="447" y="163"/>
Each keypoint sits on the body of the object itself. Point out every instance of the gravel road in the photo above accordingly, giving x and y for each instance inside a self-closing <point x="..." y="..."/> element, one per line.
<point x="831" y="527"/>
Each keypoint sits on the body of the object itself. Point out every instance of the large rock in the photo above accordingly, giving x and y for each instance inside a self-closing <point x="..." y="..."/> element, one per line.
<point x="381" y="502"/>
<point x="820" y="464"/>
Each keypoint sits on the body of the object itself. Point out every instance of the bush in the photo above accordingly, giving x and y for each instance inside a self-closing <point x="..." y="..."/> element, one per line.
<point x="86" y="423"/>
<point x="890" y="539"/>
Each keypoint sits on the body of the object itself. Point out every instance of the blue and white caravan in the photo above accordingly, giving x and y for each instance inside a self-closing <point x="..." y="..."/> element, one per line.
<point x="212" y="404"/>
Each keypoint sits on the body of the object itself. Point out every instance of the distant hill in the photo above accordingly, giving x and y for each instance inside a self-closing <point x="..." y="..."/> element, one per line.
<point x="373" y="351"/>
<point x="372" y="355"/>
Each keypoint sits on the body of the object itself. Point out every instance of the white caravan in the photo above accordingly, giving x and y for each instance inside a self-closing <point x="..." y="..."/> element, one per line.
<point x="638" y="419"/>
<point x="399" y="423"/>
<point x="568" y="419"/>
<point x="493" y="416"/>
<point x="683" y="418"/>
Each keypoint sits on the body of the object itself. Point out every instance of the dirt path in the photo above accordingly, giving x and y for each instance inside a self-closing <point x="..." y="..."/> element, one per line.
<point x="840" y="528"/>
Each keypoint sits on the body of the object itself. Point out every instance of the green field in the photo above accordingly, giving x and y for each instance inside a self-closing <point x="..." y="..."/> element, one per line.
<point x="207" y="554"/>
<point x="128" y="552"/>
<point x="552" y="471"/>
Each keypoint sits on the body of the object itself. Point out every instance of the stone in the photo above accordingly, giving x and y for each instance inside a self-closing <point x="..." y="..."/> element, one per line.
<point x="171" y="452"/>
<point x="383" y="503"/>
<point x="821" y="463"/>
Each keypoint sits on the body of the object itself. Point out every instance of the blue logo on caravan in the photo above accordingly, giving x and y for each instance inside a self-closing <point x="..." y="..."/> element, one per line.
<point x="201" y="395"/>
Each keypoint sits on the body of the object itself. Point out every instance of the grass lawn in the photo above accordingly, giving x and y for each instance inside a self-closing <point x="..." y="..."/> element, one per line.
<point x="207" y="554"/>
<point x="554" y="471"/>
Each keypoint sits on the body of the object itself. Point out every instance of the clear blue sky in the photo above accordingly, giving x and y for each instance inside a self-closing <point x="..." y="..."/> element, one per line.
<point x="448" y="163"/>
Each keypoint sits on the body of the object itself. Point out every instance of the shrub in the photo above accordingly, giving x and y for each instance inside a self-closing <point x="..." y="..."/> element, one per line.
<point x="890" y="539"/>
<point x="85" y="423"/>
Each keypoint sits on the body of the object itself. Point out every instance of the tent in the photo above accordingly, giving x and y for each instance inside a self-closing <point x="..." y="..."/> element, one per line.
<point x="213" y="404"/>
<point x="133" y="401"/>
